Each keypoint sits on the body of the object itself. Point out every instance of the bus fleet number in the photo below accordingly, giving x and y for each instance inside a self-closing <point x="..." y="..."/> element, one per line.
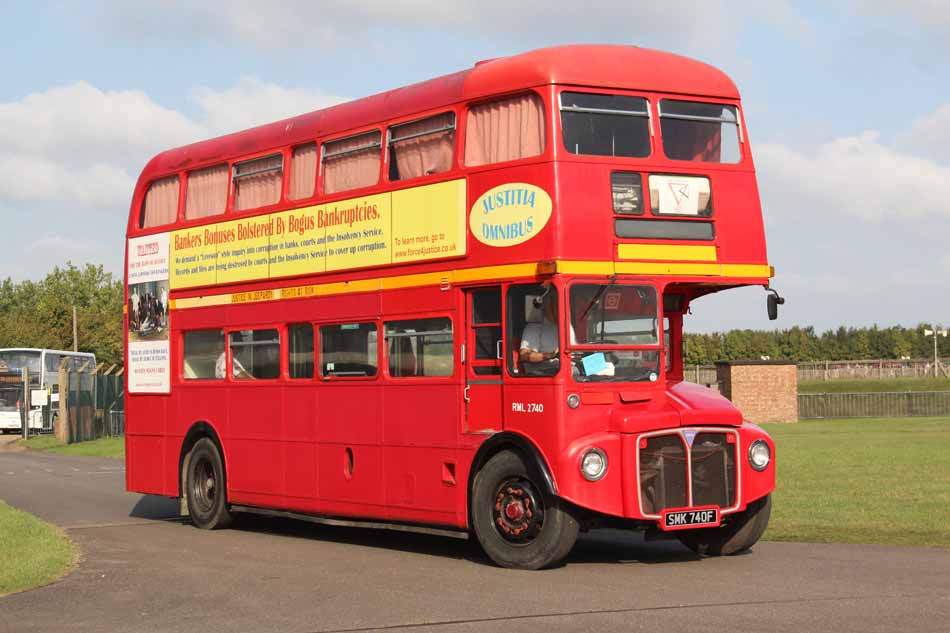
<point x="527" y="407"/>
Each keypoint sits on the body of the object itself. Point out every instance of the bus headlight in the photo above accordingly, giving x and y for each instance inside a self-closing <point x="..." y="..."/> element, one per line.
<point x="594" y="464"/>
<point x="759" y="455"/>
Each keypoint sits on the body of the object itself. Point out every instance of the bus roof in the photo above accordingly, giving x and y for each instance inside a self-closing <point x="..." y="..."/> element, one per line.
<point x="40" y="349"/>
<point x="599" y="66"/>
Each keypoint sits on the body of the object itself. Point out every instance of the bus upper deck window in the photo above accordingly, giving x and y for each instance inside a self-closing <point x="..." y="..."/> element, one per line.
<point x="421" y="148"/>
<point x="161" y="203"/>
<point x="508" y="129"/>
<point x="703" y="132"/>
<point x="206" y="192"/>
<point x="352" y="162"/>
<point x="257" y="182"/>
<point x="605" y="125"/>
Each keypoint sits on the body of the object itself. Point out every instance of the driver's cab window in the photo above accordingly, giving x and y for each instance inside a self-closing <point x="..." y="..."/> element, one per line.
<point x="533" y="323"/>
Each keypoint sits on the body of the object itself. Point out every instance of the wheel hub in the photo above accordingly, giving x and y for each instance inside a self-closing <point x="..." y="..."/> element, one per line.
<point x="518" y="512"/>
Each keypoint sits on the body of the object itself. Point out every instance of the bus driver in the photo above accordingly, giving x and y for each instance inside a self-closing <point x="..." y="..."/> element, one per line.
<point x="539" y="341"/>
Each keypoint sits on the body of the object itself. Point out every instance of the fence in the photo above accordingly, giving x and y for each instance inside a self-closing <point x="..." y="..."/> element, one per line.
<point x="842" y="370"/>
<point x="901" y="404"/>
<point x="91" y="403"/>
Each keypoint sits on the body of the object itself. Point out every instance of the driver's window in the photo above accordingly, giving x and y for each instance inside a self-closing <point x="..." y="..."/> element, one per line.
<point x="534" y="343"/>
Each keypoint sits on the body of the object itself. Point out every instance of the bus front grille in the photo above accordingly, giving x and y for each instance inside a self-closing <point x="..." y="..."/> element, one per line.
<point x="668" y="479"/>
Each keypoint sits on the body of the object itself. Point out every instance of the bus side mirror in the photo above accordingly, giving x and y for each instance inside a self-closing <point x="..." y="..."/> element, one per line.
<point x="772" y="302"/>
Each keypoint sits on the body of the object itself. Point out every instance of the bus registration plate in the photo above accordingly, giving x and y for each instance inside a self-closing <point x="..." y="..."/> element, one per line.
<point x="687" y="519"/>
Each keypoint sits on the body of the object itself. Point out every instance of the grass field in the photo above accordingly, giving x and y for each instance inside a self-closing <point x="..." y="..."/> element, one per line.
<point x="863" y="481"/>
<point x="113" y="447"/>
<point x="870" y="384"/>
<point x="32" y="553"/>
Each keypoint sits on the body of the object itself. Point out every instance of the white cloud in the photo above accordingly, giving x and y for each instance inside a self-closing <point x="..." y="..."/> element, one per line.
<point x="77" y="145"/>
<point x="856" y="177"/>
<point x="930" y="14"/>
<point x="254" y="102"/>
<point x="299" y="24"/>
<point x="930" y="135"/>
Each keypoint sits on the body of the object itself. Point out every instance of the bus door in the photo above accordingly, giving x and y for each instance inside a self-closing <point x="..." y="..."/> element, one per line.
<point x="484" y="357"/>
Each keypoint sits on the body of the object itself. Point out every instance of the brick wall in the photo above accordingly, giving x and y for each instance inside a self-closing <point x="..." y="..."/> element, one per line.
<point x="765" y="391"/>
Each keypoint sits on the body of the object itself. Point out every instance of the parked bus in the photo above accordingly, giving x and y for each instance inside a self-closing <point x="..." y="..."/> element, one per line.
<point x="457" y="306"/>
<point x="43" y="367"/>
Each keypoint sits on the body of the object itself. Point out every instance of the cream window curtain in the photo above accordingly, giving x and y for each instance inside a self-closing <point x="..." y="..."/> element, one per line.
<point x="161" y="203"/>
<point x="352" y="162"/>
<point x="504" y="130"/>
<point x="206" y="192"/>
<point x="415" y="153"/>
<point x="303" y="171"/>
<point x="257" y="182"/>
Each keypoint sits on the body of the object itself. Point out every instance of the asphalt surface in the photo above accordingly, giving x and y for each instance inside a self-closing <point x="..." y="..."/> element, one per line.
<point x="144" y="570"/>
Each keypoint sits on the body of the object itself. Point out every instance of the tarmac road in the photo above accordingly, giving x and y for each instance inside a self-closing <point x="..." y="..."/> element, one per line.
<point x="144" y="570"/>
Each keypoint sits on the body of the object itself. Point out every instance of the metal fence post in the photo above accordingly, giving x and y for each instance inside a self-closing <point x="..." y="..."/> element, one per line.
<point x="25" y="407"/>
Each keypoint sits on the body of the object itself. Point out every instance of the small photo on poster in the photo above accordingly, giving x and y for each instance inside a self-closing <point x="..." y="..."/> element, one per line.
<point x="148" y="311"/>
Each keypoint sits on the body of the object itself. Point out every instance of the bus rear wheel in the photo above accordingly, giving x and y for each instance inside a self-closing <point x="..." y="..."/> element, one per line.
<point x="205" y="487"/>
<point x="742" y="532"/>
<point x="518" y="524"/>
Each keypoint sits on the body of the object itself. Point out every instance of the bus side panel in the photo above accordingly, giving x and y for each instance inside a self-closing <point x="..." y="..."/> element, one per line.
<point x="420" y="434"/>
<point x="349" y="458"/>
<point x="145" y="445"/>
<point x="255" y="419"/>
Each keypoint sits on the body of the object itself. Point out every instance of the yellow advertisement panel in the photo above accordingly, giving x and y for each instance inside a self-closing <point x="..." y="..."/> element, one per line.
<point x="358" y="232"/>
<point x="411" y="225"/>
<point x="191" y="262"/>
<point x="427" y="223"/>
<point x="243" y="247"/>
<point x="298" y="246"/>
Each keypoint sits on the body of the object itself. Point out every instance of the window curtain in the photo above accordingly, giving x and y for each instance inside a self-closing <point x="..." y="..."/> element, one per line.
<point x="504" y="130"/>
<point x="258" y="190"/>
<point x="352" y="170"/>
<point x="161" y="203"/>
<point x="206" y="192"/>
<point x="423" y="155"/>
<point x="303" y="171"/>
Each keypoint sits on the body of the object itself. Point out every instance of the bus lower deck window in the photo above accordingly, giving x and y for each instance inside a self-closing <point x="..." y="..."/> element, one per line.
<point x="203" y="352"/>
<point x="255" y="354"/>
<point x="300" y="350"/>
<point x="348" y="350"/>
<point x="420" y="347"/>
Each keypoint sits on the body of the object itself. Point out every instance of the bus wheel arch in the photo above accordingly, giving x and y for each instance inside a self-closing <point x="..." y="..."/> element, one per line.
<point x="198" y="432"/>
<point x="507" y="440"/>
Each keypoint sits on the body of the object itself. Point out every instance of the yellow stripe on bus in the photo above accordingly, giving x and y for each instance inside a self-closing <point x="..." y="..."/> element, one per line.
<point x="668" y="252"/>
<point x="484" y="273"/>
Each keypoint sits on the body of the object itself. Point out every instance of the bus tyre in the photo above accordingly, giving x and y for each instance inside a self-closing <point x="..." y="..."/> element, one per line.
<point x="205" y="487"/>
<point x="738" y="535"/>
<point x="519" y="525"/>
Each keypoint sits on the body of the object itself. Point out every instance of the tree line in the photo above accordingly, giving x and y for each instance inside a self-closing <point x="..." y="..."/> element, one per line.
<point x="39" y="314"/>
<point x="805" y="344"/>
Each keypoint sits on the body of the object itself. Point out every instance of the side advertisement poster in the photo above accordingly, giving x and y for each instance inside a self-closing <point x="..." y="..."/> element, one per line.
<point x="149" y="362"/>
<point x="403" y="226"/>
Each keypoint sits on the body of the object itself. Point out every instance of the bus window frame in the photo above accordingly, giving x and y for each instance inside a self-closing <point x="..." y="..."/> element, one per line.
<point x="458" y="112"/>
<point x="284" y="173"/>
<point x="318" y="374"/>
<point x="547" y="154"/>
<point x="436" y="314"/>
<point x="704" y="166"/>
<point x="651" y="128"/>
<point x="658" y="346"/>
<point x="179" y="347"/>
<point x="282" y="374"/>
<point x="321" y="158"/>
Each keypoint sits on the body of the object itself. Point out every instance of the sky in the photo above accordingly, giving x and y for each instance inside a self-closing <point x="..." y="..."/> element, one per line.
<point x="847" y="105"/>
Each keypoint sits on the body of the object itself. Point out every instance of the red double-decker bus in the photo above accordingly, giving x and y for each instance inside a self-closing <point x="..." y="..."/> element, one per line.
<point x="456" y="306"/>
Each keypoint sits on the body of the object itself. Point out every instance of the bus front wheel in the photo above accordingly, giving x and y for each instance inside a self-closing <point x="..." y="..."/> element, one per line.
<point x="740" y="534"/>
<point x="207" y="496"/>
<point x="518" y="524"/>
